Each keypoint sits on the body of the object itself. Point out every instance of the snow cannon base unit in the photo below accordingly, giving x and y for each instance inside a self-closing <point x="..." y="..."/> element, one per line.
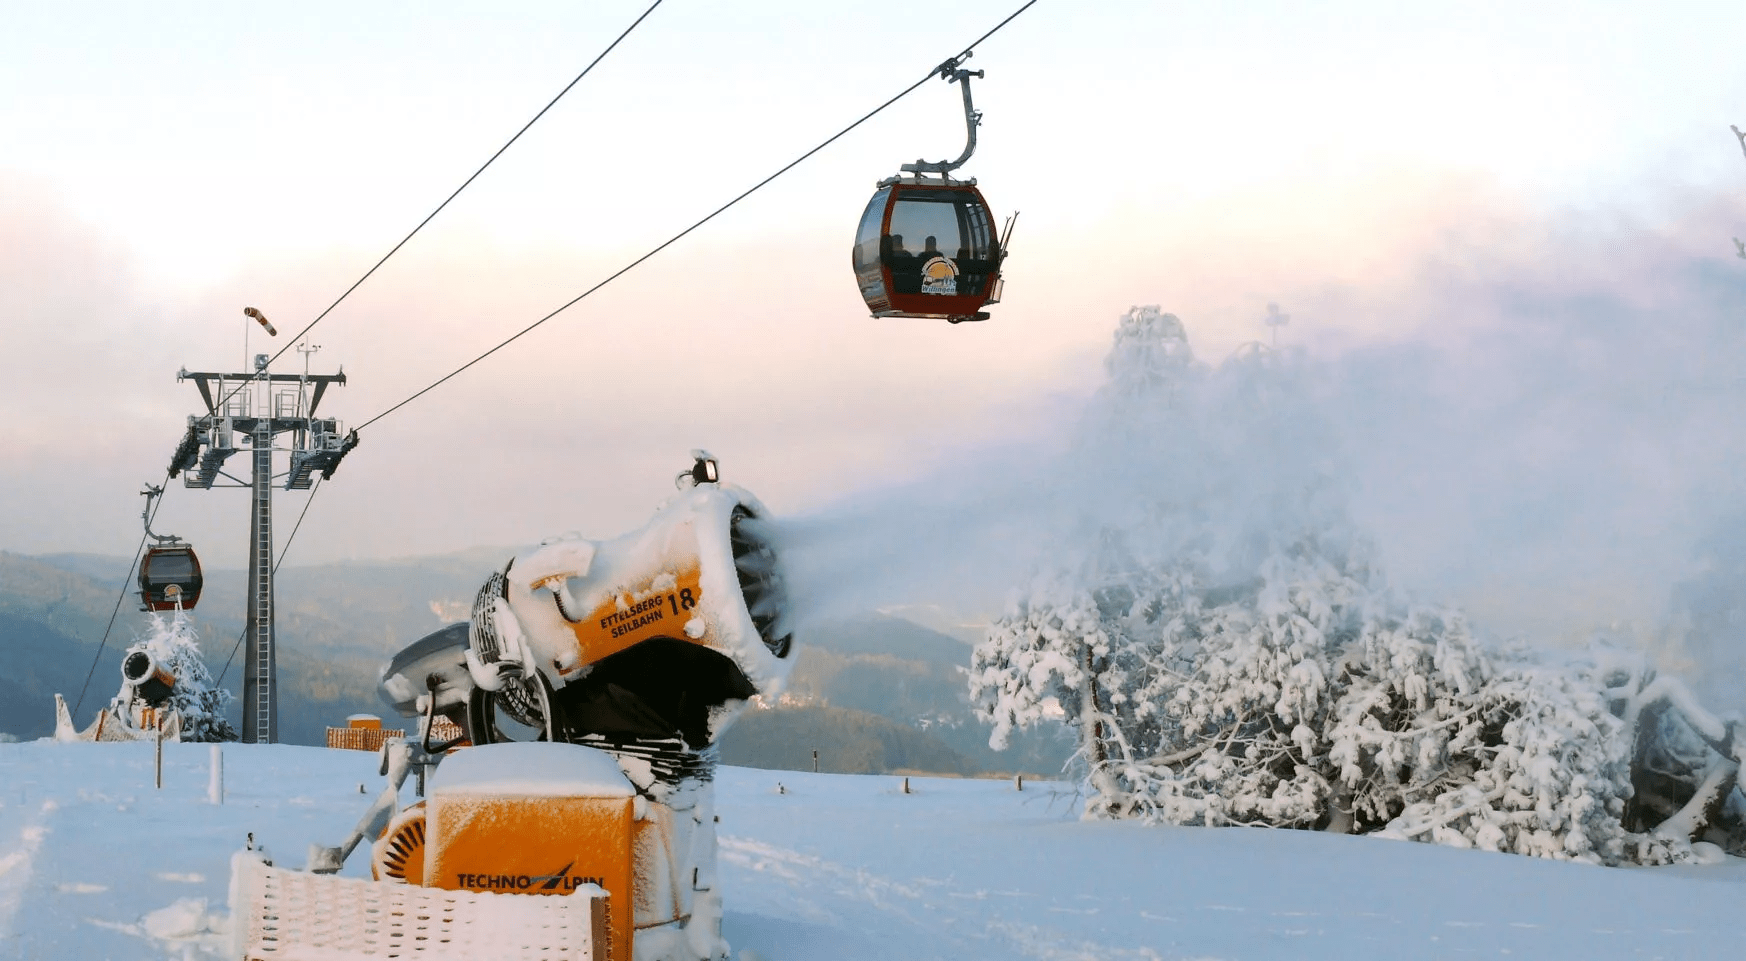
<point x="590" y="687"/>
<point x="541" y="819"/>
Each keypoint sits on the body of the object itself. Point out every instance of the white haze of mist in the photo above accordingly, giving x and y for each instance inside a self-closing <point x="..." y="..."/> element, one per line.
<point x="1550" y="438"/>
<point x="1533" y="416"/>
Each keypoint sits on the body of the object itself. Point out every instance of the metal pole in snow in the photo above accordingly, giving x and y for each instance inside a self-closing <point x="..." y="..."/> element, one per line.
<point x="159" y="765"/>
<point x="215" y="782"/>
<point x="815" y="762"/>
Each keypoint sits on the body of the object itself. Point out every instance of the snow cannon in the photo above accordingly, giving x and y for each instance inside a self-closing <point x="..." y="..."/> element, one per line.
<point x="656" y="637"/>
<point x="628" y="657"/>
<point x="148" y="679"/>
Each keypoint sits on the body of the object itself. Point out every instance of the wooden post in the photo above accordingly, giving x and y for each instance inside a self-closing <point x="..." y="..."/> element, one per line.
<point x="815" y="762"/>
<point x="1018" y="782"/>
<point x="906" y="785"/>
<point x="599" y="930"/>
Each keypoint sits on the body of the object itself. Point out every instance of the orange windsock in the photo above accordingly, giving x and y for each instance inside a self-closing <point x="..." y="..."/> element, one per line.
<point x="260" y="318"/>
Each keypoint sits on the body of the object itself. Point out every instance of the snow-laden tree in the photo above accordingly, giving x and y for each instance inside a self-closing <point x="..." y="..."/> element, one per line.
<point x="173" y="645"/>
<point x="1229" y="654"/>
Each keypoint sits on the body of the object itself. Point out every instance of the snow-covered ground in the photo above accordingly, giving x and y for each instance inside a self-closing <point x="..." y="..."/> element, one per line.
<point x="95" y="863"/>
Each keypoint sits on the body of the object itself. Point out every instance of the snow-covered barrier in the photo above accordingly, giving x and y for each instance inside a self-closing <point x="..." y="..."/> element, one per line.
<point x="297" y="916"/>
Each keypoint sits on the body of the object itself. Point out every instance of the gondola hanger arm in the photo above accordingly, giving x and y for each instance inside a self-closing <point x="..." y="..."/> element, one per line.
<point x="952" y="71"/>
<point x="151" y="493"/>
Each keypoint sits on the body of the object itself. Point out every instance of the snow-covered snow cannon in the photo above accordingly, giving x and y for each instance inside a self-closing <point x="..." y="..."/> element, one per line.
<point x="657" y="636"/>
<point x="161" y="678"/>
<point x="149" y="680"/>
<point x="628" y="657"/>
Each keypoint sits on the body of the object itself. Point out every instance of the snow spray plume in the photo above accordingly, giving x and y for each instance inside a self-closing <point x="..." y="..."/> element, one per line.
<point x="1168" y="445"/>
<point x="1546" y="432"/>
<point x="1560" y="434"/>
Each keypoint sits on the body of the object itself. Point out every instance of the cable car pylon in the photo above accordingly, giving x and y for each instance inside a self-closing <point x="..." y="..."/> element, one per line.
<point x="251" y="410"/>
<point x="956" y="272"/>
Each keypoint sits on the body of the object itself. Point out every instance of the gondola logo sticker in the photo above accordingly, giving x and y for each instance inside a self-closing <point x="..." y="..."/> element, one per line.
<point x="939" y="276"/>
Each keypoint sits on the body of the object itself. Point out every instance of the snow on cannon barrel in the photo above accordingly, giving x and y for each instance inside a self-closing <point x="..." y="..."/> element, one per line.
<point x="630" y="657"/>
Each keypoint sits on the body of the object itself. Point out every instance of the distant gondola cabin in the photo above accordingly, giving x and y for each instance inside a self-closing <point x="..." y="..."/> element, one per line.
<point x="169" y="575"/>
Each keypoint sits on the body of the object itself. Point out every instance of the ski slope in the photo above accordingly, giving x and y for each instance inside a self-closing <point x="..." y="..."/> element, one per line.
<point x="95" y="863"/>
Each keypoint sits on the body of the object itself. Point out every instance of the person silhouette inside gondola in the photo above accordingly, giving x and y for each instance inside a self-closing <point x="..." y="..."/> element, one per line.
<point x="905" y="267"/>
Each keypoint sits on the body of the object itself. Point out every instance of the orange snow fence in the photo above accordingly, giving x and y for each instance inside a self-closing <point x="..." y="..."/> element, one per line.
<point x="363" y="732"/>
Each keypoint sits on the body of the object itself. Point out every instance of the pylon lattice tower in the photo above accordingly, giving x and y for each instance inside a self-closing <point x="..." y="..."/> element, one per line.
<point x="255" y="410"/>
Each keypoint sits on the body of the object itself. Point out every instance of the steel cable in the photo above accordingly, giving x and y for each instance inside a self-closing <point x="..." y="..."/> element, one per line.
<point x="931" y="74"/>
<point x="439" y="208"/>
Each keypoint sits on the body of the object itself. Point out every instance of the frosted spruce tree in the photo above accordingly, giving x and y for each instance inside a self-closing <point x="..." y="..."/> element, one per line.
<point x="1228" y="653"/>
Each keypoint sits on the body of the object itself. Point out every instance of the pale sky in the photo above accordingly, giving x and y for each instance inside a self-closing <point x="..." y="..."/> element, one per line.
<point x="164" y="165"/>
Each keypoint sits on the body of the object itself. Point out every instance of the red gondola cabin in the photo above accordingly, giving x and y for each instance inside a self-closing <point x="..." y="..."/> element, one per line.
<point x="927" y="248"/>
<point x="168" y="575"/>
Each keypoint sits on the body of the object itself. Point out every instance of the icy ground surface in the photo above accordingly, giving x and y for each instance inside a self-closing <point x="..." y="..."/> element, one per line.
<point x="95" y="864"/>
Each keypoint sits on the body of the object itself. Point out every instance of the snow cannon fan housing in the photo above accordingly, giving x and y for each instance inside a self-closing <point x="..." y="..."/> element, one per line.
<point x="663" y="632"/>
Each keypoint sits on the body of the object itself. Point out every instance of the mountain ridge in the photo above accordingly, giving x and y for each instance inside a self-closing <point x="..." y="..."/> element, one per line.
<point x="882" y="690"/>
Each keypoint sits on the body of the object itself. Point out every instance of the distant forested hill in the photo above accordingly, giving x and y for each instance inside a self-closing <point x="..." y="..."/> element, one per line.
<point x="847" y="742"/>
<point x="894" y="669"/>
<point x="337" y="625"/>
<point x="873" y="694"/>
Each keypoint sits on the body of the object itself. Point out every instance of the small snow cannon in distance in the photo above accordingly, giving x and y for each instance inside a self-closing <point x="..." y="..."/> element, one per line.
<point x="629" y="657"/>
<point x="140" y="711"/>
<point x="150" y="682"/>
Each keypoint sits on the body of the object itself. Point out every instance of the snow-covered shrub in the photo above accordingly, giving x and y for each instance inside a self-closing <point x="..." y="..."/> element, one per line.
<point x="1307" y="697"/>
<point x="1230" y="655"/>
<point x="1531" y="761"/>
